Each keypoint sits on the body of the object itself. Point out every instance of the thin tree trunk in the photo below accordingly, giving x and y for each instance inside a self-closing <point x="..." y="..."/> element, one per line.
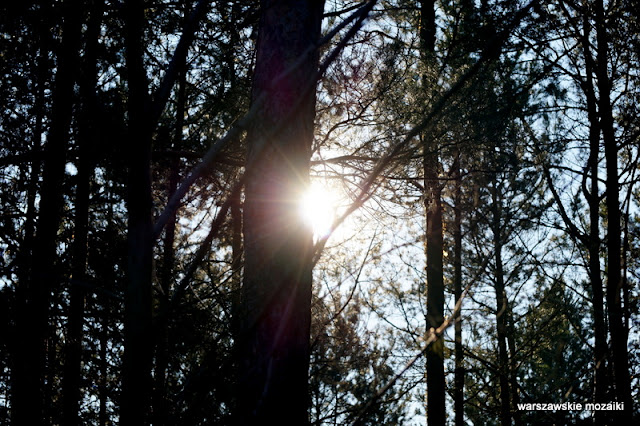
<point x="513" y="368"/>
<point x="617" y="329"/>
<point x="105" y="315"/>
<point x="273" y="349"/>
<point x="160" y="403"/>
<point x="73" y="349"/>
<point x="26" y="248"/>
<point x="501" y="311"/>
<point x="236" y="203"/>
<point x="236" y="262"/>
<point x="458" y="387"/>
<point x="38" y="111"/>
<point x="103" y="363"/>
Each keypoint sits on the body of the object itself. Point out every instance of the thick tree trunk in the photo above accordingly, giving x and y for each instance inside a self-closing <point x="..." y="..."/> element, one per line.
<point x="138" y="340"/>
<point x="273" y="349"/>
<point x="28" y="384"/>
<point x="617" y="328"/>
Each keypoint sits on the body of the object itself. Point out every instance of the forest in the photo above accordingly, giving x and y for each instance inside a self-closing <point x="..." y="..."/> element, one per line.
<point x="319" y="212"/>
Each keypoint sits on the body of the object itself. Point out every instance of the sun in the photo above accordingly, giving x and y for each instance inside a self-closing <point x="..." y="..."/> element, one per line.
<point x="318" y="209"/>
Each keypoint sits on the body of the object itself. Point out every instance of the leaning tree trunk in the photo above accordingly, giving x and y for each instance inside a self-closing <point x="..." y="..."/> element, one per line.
<point x="273" y="349"/>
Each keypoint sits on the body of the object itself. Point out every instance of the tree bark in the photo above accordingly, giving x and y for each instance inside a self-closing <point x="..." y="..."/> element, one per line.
<point x="138" y="341"/>
<point x="273" y="349"/>
<point x="619" y="332"/>
<point x="436" y="410"/>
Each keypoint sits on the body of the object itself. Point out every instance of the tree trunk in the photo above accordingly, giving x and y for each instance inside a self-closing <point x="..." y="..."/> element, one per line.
<point x="601" y="382"/>
<point x="73" y="349"/>
<point x="27" y="406"/>
<point x="104" y="318"/>
<point x="513" y="368"/>
<point x="236" y="261"/>
<point x="619" y="333"/>
<point x="160" y="403"/>
<point x="436" y="410"/>
<point x="502" y="310"/>
<point x="458" y="386"/>
<point x="103" y="363"/>
<point x="25" y="265"/>
<point x="138" y="341"/>
<point x="273" y="349"/>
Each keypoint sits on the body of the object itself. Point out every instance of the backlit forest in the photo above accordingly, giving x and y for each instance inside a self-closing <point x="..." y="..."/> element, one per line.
<point x="319" y="212"/>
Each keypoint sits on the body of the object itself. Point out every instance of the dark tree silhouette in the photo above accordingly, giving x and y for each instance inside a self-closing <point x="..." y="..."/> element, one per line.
<point x="273" y="349"/>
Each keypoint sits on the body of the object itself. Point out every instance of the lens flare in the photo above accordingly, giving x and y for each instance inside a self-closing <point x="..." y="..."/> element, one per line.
<point x="318" y="209"/>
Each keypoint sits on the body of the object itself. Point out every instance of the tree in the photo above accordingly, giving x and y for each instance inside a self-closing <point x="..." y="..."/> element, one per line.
<point x="595" y="46"/>
<point x="28" y="396"/>
<point x="85" y="165"/>
<point x="436" y="412"/>
<point x="273" y="351"/>
<point x="617" y="328"/>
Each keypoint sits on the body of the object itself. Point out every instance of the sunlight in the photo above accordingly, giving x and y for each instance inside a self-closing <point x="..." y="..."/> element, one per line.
<point x="318" y="208"/>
